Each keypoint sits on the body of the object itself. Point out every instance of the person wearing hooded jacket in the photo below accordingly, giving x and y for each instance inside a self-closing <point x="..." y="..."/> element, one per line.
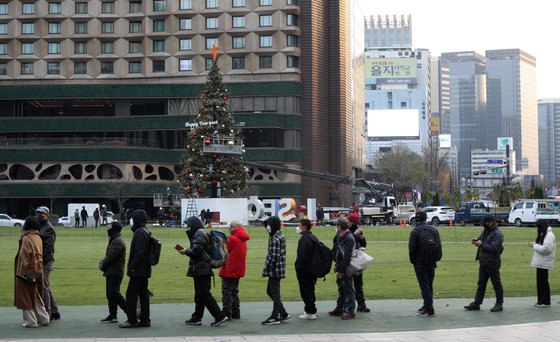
<point x="139" y="271"/>
<point x="275" y="270"/>
<point x="48" y="237"/>
<point x="343" y="245"/>
<point x="544" y="249"/>
<point x="201" y="272"/>
<point x="233" y="269"/>
<point x="113" y="271"/>
<point x="358" y="279"/>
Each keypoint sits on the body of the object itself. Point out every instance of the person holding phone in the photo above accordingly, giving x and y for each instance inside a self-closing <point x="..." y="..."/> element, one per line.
<point x="544" y="249"/>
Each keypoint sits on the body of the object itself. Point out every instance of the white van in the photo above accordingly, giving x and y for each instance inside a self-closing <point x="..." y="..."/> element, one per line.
<point x="529" y="211"/>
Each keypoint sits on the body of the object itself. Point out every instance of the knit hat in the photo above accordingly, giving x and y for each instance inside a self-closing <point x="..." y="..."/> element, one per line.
<point x="354" y="217"/>
<point x="234" y="224"/>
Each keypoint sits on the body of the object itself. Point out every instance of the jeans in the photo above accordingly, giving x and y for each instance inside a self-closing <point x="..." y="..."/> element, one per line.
<point x="307" y="292"/>
<point x="484" y="273"/>
<point x="346" y="297"/>
<point x="359" y="289"/>
<point x="204" y="299"/>
<point x="230" y="296"/>
<point x="48" y="297"/>
<point x="273" y="291"/>
<point x="543" y="288"/>
<point x="137" y="287"/>
<point x="113" y="292"/>
<point x="425" y="275"/>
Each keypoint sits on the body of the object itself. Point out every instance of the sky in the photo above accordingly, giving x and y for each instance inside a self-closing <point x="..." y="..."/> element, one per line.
<point x="475" y="25"/>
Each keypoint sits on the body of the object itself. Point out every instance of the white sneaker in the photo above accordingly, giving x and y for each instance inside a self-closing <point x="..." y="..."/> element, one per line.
<point x="307" y="316"/>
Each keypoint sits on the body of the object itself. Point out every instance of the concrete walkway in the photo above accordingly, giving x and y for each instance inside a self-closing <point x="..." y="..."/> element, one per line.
<point x="390" y="320"/>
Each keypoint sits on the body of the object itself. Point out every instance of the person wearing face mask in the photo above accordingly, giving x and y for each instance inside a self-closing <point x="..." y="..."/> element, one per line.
<point x="48" y="237"/>
<point x="113" y="271"/>
<point x="490" y="248"/>
<point x="353" y="220"/>
<point x="343" y="245"/>
<point x="306" y="279"/>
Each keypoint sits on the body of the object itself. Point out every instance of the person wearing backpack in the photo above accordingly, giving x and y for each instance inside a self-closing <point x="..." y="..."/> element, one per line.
<point x="201" y="272"/>
<point x="424" y="250"/>
<point x="305" y="277"/>
<point x="233" y="269"/>
<point x="139" y="271"/>
<point x="353" y="220"/>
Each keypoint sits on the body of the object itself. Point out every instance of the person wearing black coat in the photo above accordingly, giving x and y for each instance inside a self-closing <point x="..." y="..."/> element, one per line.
<point x="306" y="244"/>
<point x="201" y="272"/>
<point x="343" y="245"/>
<point x="139" y="270"/>
<point x="113" y="271"/>
<point x="48" y="237"/>
<point x="353" y="220"/>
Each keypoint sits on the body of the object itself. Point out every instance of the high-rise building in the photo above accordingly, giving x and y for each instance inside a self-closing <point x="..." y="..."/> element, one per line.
<point x="387" y="32"/>
<point x="97" y="94"/>
<point x="549" y="140"/>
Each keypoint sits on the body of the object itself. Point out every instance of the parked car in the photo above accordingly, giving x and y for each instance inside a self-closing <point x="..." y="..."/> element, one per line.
<point x="405" y="211"/>
<point x="473" y="212"/>
<point x="7" y="221"/>
<point x="64" y="221"/>
<point x="530" y="210"/>
<point x="436" y="215"/>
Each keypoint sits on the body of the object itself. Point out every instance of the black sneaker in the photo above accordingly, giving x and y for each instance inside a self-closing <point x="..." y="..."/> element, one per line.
<point x="219" y="321"/>
<point x="144" y="324"/>
<point x="271" y="321"/>
<point x="109" y="319"/>
<point x="193" y="322"/>
<point x="127" y="325"/>
<point x="363" y="309"/>
<point x="236" y="316"/>
<point x="55" y="316"/>
<point x="472" y="307"/>
<point x="420" y="310"/>
<point x="497" y="308"/>
<point x="284" y="317"/>
<point x="426" y="314"/>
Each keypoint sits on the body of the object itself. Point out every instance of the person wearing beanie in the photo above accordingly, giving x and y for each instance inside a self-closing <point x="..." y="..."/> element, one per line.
<point x="139" y="271"/>
<point x="343" y="245"/>
<point x="48" y="238"/>
<point x="233" y="269"/>
<point x="113" y="271"/>
<point x="306" y="279"/>
<point x="353" y="220"/>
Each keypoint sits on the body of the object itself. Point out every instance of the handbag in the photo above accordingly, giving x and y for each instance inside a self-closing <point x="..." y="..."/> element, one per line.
<point x="359" y="261"/>
<point x="32" y="277"/>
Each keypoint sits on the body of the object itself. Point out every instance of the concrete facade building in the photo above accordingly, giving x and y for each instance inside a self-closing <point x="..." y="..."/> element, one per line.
<point x="549" y="140"/>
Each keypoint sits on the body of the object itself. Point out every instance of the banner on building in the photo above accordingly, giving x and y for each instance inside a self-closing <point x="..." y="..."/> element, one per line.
<point x="434" y="126"/>
<point x="391" y="70"/>
<point x="445" y="141"/>
<point x="504" y="141"/>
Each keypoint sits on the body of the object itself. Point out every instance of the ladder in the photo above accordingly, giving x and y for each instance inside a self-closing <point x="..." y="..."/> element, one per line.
<point x="191" y="208"/>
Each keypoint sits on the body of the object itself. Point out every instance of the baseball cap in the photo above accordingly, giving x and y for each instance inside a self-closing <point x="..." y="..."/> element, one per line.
<point x="43" y="209"/>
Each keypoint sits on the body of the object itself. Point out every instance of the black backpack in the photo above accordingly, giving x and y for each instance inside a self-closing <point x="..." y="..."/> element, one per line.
<point x="321" y="259"/>
<point x="429" y="249"/>
<point x="154" y="250"/>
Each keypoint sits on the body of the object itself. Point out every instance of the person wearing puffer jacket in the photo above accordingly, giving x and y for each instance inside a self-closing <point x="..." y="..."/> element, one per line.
<point x="543" y="260"/>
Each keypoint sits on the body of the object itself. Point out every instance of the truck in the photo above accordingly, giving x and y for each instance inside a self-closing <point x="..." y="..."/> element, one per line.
<point x="528" y="211"/>
<point x="473" y="212"/>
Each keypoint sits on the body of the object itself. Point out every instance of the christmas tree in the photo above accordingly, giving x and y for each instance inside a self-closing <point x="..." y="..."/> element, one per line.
<point x="213" y="143"/>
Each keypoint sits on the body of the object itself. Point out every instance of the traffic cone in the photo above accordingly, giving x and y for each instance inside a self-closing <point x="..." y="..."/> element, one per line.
<point x="404" y="223"/>
<point x="314" y="225"/>
<point x="281" y="224"/>
<point x="209" y="224"/>
<point x="450" y="223"/>
<point x="400" y="223"/>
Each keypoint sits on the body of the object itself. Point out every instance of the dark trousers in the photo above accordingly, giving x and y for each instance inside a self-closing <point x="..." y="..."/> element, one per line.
<point x="346" y="296"/>
<point x="307" y="292"/>
<point x="137" y="287"/>
<point x="359" y="290"/>
<point x="77" y="223"/>
<point x="491" y="272"/>
<point x="230" y="296"/>
<point x="543" y="289"/>
<point x="113" y="292"/>
<point x="84" y="222"/>
<point x="204" y="299"/>
<point x="425" y="275"/>
<point x="273" y="291"/>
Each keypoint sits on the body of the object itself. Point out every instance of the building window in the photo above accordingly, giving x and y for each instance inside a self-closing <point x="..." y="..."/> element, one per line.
<point x="80" y="27"/>
<point x="265" y="62"/>
<point x="54" y="48"/>
<point x="211" y="23"/>
<point x="158" y="66"/>
<point x="159" y="5"/>
<point x="27" y="68"/>
<point x="107" y="27"/>
<point x="53" y="68"/>
<point x="134" y="67"/>
<point x="210" y="43"/>
<point x="159" y="25"/>
<point x="3" y="68"/>
<point x="238" y="63"/>
<point x="80" y="67"/>
<point x="108" y="7"/>
<point x="107" y="47"/>
<point x="265" y="2"/>
<point x="184" y="65"/>
<point x="291" y="2"/>
<point x="238" y="3"/>
<point x="135" y="27"/>
<point x="28" y="8"/>
<point x="403" y="104"/>
<point x="3" y="28"/>
<point x="80" y="48"/>
<point x="292" y="61"/>
<point x="26" y="48"/>
<point x="185" y="24"/>
<point x="238" y="21"/>
<point x="367" y="104"/>
<point x="3" y="8"/>
<point x="185" y="44"/>
<point x="207" y="63"/>
<point x="135" y="7"/>
<point x="27" y="28"/>
<point x="185" y="4"/>
<point x="292" y="20"/>
<point x="159" y="45"/>
<point x="211" y="3"/>
<point x="135" y="47"/>
<point x="54" y="7"/>
<point x="265" y="20"/>
<point x="106" y="67"/>
<point x="54" y="28"/>
<point x="265" y="41"/>
<point x="3" y="48"/>
<point x="81" y="8"/>
<point x="238" y="42"/>
<point x="293" y="40"/>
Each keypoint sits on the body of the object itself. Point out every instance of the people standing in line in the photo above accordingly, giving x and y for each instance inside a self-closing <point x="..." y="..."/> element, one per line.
<point x="139" y="271"/>
<point x="28" y="296"/>
<point x="84" y="215"/>
<point x="343" y="245"/>
<point x="103" y="213"/>
<point x="275" y="270"/>
<point x="306" y="279"/>
<point x="48" y="237"/>
<point x="96" y="216"/>
<point x="488" y="254"/>
<point x="544" y="249"/>
<point x="234" y="269"/>
<point x="423" y="239"/>
<point x="353" y="220"/>
<point x="320" y="214"/>
<point x="113" y="271"/>
<point x="201" y="272"/>
<point x="76" y="218"/>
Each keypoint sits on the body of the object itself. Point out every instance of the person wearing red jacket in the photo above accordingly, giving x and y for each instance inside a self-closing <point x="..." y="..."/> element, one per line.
<point x="233" y="269"/>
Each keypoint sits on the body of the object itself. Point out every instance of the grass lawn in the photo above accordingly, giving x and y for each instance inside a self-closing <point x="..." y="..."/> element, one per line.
<point x="78" y="281"/>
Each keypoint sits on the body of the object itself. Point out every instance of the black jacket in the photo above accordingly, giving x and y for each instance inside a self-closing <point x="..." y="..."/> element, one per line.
<point x="342" y="250"/>
<point x="48" y="236"/>
<point x="305" y="247"/>
<point x="359" y="242"/>
<point x="490" y="250"/>
<point x="138" y="258"/>
<point x="414" y="242"/>
<point x="113" y="263"/>
<point x="201" y="248"/>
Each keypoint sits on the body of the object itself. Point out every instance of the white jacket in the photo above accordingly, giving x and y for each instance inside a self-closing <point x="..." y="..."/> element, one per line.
<point x="543" y="257"/>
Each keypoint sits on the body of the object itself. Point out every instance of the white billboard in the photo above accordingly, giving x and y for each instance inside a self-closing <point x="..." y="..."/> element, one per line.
<point x="503" y="141"/>
<point x="445" y="140"/>
<point x="384" y="124"/>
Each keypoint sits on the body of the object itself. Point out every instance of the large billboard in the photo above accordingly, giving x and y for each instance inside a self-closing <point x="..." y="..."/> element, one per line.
<point x="393" y="124"/>
<point x="391" y="70"/>
<point x="504" y="141"/>
<point x="445" y="141"/>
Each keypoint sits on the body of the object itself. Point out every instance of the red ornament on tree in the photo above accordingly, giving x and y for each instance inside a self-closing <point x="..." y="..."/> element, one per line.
<point x="189" y="191"/>
<point x="194" y="134"/>
<point x="207" y="142"/>
<point x="225" y="97"/>
<point x="214" y="181"/>
<point x="200" y="191"/>
<point x="201" y="107"/>
<point x="214" y="156"/>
